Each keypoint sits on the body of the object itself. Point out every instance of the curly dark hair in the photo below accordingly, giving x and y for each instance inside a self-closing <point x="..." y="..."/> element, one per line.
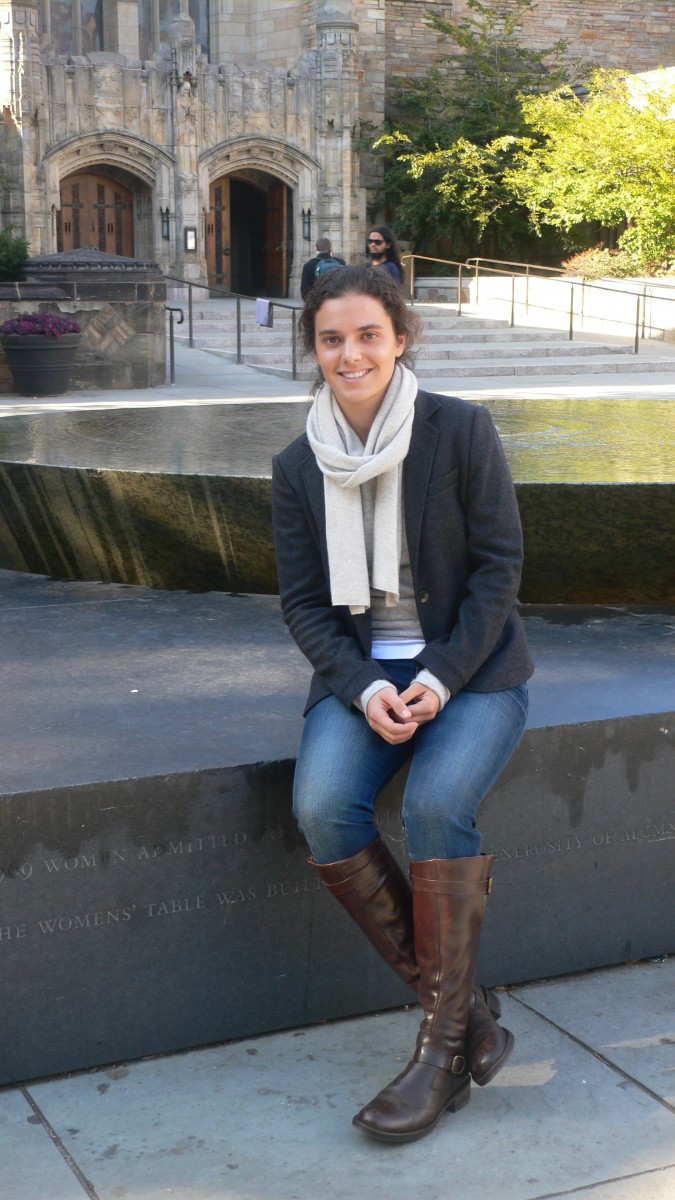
<point x="361" y="281"/>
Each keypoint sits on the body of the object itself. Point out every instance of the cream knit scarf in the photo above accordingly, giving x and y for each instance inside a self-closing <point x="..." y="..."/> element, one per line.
<point x="346" y="464"/>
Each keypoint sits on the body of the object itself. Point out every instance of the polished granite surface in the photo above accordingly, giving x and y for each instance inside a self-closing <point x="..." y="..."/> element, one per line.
<point x="546" y="441"/>
<point x="155" y="889"/>
<point x="180" y="497"/>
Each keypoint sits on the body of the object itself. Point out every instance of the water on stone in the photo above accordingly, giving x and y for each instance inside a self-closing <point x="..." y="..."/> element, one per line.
<point x="547" y="441"/>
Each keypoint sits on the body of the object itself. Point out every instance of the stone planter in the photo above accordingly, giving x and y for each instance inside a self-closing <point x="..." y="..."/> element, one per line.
<point x="40" y="364"/>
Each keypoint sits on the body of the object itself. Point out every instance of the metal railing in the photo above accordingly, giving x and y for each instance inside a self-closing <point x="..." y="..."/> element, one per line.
<point x="583" y="287"/>
<point x="528" y="272"/>
<point x="413" y="258"/>
<point x="225" y="293"/>
<point x="528" y="268"/>
<point x="171" y="309"/>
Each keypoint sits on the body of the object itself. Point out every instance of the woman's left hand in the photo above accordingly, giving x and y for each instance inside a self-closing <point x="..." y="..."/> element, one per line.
<point x="422" y="702"/>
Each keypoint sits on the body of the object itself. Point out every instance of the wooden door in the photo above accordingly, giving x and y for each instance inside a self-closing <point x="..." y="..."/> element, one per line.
<point x="218" y="232"/>
<point x="276" y="244"/>
<point x="95" y="212"/>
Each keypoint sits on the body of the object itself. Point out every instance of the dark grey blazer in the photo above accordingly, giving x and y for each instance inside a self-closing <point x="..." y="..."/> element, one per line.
<point x="465" y="543"/>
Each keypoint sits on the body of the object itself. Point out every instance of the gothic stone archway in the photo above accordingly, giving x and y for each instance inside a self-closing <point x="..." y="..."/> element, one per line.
<point x="97" y="211"/>
<point x="249" y="233"/>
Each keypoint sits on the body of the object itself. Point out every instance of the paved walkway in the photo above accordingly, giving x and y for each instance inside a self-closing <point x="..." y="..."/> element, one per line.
<point x="586" y="1106"/>
<point x="204" y="378"/>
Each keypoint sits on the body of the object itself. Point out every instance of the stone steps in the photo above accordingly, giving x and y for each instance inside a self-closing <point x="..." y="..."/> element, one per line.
<point x="602" y="364"/>
<point x="214" y="331"/>
<point x="599" y="364"/>
<point x="528" y="350"/>
<point x="466" y="346"/>
<point x="485" y="351"/>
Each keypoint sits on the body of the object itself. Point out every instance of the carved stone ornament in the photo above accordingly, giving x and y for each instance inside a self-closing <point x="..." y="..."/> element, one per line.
<point x="336" y="13"/>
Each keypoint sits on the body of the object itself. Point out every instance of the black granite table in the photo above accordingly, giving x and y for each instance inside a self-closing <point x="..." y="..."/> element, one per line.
<point x="154" y="892"/>
<point x="179" y="497"/>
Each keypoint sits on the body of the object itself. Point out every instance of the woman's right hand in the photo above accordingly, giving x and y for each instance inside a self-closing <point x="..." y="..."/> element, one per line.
<point x="389" y="717"/>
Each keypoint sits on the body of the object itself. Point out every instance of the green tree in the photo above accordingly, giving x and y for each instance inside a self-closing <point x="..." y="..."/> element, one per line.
<point x="13" y="254"/>
<point x="442" y="179"/>
<point x="608" y="158"/>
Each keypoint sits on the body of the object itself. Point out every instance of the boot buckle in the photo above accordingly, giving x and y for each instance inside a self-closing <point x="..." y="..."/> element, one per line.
<point x="458" y="1065"/>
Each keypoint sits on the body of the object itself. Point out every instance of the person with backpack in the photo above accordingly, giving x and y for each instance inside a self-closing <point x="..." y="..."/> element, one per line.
<point x="319" y="266"/>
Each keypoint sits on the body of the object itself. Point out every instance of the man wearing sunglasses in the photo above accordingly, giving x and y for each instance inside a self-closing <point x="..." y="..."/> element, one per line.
<point x="384" y="252"/>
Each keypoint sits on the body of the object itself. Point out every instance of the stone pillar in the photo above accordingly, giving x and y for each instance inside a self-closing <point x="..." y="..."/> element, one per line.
<point x="120" y="21"/>
<point x="337" y="110"/>
<point x="22" y="134"/>
<point x="190" y="255"/>
<point x="229" y="32"/>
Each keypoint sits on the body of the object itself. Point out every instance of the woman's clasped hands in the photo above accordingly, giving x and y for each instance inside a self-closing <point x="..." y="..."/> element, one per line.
<point x="396" y="717"/>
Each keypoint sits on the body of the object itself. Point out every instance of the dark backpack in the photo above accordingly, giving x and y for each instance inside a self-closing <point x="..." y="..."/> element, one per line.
<point x="324" y="265"/>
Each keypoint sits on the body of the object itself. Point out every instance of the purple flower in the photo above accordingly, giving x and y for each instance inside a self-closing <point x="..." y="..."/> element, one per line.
<point x="50" y="324"/>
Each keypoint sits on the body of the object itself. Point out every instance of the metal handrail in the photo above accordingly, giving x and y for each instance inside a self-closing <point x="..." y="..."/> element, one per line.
<point x="171" y="309"/>
<point x="528" y="267"/>
<point x="506" y="262"/>
<point x="427" y="258"/>
<point x="478" y="263"/>
<point x="239" y="296"/>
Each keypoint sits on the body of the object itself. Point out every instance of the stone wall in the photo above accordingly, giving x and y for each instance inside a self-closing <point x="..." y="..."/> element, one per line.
<point x="287" y="88"/>
<point x="119" y="304"/>
<point x="635" y="34"/>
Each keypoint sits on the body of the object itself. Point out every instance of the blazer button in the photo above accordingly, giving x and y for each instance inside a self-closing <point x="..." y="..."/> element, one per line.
<point x="422" y="597"/>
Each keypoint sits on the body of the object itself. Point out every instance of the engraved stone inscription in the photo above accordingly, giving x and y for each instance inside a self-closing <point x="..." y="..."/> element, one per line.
<point x="111" y="857"/>
<point x="651" y="831"/>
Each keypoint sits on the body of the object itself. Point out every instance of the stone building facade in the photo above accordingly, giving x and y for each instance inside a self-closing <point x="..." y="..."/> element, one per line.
<point x="219" y="138"/>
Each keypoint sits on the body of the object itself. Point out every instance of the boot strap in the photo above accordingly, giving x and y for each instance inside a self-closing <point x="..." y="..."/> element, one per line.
<point x="435" y="1057"/>
<point x="453" y="887"/>
<point x="340" y="886"/>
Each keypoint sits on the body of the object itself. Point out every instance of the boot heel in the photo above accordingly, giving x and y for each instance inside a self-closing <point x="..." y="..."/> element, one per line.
<point x="493" y="1002"/>
<point x="460" y="1098"/>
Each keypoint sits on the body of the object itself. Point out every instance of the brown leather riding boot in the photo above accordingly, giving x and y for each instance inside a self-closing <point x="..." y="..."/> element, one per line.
<point x="373" y="889"/>
<point x="488" y="1045"/>
<point x="449" y="902"/>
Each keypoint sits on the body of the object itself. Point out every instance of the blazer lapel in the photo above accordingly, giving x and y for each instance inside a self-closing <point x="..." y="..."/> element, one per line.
<point x="417" y="470"/>
<point x="315" y="494"/>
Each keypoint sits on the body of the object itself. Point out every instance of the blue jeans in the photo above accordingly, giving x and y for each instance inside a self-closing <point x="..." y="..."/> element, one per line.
<point x="455" y="759"/>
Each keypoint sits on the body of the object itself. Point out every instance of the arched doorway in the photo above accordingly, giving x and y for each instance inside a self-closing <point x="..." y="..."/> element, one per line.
<point x="98" y="211"/>
<point x="249" y="233"/>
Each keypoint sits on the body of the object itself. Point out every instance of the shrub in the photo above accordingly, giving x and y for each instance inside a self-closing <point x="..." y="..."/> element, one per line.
<point x="50" y="324"/>
<point x="13" y="254"/>
<point x="600" y="263"/>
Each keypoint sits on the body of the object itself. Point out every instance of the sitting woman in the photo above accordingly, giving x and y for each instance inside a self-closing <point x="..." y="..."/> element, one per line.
<point x="399" y="556"/>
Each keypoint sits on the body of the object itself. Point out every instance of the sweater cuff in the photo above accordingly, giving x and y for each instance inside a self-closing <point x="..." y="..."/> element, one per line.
<point x="431" y="681"/>
<point x="368" y="693"/>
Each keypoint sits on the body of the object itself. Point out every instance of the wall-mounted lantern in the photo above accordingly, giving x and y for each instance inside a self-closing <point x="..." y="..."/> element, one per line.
<point x="307" y="224"/>
<point x="164" y="214"/>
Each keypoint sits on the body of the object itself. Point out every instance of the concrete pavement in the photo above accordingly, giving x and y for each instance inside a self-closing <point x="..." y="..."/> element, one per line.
<point x="585" y="1108"/>
<point x="205" y="378"/>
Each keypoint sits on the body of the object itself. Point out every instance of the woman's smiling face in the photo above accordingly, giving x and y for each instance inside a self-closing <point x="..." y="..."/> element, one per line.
<point x="357" y="348"/>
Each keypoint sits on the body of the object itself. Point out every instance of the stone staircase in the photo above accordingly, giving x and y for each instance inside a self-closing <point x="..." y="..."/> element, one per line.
<point x="452" y="346"/>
